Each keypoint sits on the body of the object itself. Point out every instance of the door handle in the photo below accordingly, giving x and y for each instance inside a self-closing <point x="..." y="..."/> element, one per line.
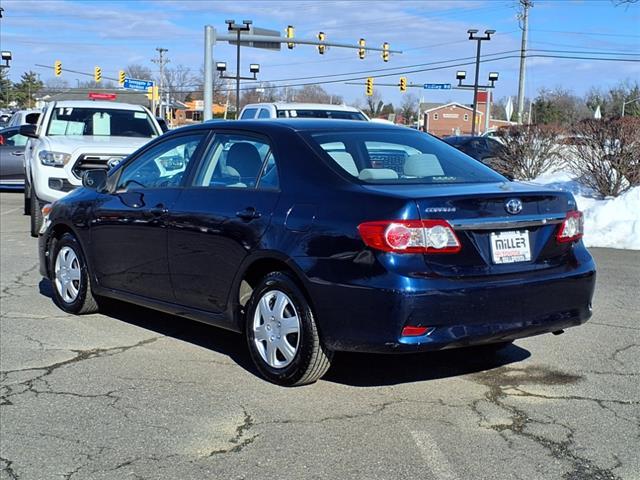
<point x="17" y="153"/>
<point x="248" y="213"/>
<point x="158" y="210"/>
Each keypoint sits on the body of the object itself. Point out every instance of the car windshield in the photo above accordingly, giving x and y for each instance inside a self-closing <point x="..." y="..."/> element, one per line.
<point x="320" y="113"/>
<point x="108" y="122"/>
<point x="399" y="157"/>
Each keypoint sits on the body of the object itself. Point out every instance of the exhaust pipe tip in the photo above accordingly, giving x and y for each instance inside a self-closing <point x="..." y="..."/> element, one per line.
<point x="558" y="332"/>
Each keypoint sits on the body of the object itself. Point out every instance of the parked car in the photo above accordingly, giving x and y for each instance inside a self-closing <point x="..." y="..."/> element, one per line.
<point x="23" y="117"/>
<point x="74" y="136"/>
<point x="12" y="158"/>
<point x="296" y="234"/>
<point x="484" y="149"/>
<point x="300" y="110"/>
<point x="4" y="119"/>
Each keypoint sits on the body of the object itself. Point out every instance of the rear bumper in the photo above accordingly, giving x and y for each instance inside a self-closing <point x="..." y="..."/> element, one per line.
<point x="458" y="312"/>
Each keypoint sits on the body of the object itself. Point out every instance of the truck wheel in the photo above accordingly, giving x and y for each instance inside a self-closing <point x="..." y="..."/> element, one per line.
<point x="282" y="334"/>
<point x="70" y="277"/>
<point x="36" y="215"/>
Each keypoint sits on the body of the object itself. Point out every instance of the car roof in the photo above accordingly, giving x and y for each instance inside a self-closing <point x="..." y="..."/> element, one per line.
<point x="295" y="124"/>
<point x="304" y="106"/>
<point x="98" y="104"/>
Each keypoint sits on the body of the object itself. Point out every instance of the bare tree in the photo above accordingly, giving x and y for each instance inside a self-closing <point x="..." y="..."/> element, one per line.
<point x="373" y="104"/>
<point x="409" y="108"/>
<point x="607" y="158"/>
<point x="56" y="83"/>
<point x="135" y="70"/>
<point x="179" y="81"/>
<point x="316" y="94"/>
<point x="528" y="152"/>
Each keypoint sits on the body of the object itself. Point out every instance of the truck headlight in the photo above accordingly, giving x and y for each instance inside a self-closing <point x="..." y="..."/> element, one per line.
<point x="54" y="159"/>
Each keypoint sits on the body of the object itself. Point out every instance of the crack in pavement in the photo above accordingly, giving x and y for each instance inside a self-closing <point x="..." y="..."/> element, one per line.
<point x="81" y="355"/>
<point x="8" y="467"/>
<point x="618" y="351"/>
<point x="238" y="442"/>
<point x="17" y="283"/>
<point x="506" y="378"/>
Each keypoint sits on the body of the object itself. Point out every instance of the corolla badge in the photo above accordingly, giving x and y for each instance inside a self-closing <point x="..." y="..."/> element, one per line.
<point x="513" y="206"/>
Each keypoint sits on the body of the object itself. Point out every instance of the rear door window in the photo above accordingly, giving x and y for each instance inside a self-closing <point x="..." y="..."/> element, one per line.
<point x="264" y="113"/>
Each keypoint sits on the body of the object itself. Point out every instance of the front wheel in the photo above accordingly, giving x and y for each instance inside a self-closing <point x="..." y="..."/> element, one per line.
<point x="282" y="334"/>
<point x="70" y="277"/>
<point x="36" y="215"/>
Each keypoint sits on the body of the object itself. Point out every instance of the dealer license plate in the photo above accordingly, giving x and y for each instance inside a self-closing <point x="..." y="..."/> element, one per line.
<point x="510" y="247"/>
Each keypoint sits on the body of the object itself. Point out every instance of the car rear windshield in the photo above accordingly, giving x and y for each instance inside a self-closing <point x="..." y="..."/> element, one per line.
<point x="106" y="122"/>
<point x="399" y="156"/>
<point x="320" y="113"/>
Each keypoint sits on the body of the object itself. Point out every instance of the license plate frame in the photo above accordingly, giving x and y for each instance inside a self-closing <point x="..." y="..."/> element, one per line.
<point x="510" y="246"/>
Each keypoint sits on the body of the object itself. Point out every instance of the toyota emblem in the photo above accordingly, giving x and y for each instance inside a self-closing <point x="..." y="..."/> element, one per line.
<point x="513" y="206"/>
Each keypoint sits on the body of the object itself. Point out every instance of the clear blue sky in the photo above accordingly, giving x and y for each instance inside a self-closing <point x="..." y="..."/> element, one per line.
<point x="113" y="34"/>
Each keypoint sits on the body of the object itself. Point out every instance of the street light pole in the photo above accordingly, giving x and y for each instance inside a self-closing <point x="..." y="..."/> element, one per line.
<point x="472" y="36"/>
<point x="235" y="27"/>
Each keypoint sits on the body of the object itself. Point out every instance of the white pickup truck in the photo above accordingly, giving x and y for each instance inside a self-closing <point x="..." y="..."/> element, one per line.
<point x="72" y="137"/>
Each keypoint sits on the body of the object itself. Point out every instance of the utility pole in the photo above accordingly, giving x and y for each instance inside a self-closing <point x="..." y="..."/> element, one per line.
<point x="161" y="60"/>
<point x="524" y="16"/>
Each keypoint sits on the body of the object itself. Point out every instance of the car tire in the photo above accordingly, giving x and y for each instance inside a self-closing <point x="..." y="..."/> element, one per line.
<point x="70" y="278"/>
<point x="285" y="351"/>
<point x="36" y="215"/>
<point x="27" y="198"/>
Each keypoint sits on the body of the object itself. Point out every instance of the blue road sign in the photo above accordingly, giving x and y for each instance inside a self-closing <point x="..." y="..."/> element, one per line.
<point x="135" y="84"/>
<point x="437" y="86"/>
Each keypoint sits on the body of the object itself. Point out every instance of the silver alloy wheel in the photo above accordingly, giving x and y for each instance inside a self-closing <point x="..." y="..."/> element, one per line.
<point x="276" y="329"/>
<point x="67" y="274"/>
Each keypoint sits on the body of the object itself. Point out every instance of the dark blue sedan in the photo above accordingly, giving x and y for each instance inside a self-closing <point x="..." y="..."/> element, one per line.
<point x="316" y="236"/>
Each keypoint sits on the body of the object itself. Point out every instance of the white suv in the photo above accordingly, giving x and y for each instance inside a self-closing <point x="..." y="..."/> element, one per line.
<point x="72" y="137"/>
<point x="301" y="110"/>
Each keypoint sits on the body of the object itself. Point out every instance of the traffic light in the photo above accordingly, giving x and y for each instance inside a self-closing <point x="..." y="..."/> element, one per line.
<point x="385" y="51"/>
<point x="289" y="34"/>
<point x="361" y="51"/>
<point x="403" y="84"/>
<point x="153" y="93"/>
<point x="321" y="48"/>
<point x="97" y="74"/>
<point x="121" y="76"/>
<point x="57" y="68"/>
<point x="369" y="86"/>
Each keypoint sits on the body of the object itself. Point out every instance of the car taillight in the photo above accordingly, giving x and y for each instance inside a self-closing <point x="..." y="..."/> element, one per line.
<point x="572" y="228"/>
<point x="410" y="236"/>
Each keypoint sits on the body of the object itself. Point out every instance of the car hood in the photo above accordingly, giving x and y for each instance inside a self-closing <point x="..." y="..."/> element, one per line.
<point x="102" y="144"/>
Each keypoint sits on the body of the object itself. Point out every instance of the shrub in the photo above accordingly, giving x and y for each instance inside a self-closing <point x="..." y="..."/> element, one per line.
<point x="607" y="158"/>
<point x="529" y="151"/>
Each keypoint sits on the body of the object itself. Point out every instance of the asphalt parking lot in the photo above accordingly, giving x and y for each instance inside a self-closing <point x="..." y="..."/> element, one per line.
<point x="133" y="393"/>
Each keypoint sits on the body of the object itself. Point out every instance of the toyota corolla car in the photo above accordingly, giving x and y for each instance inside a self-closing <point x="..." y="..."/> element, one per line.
<point x="315" y="236"/>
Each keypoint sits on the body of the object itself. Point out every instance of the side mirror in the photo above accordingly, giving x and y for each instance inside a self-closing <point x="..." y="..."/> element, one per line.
<point x="95" y="179"/>
<point x="32" y="118"/>
<point x="28" y="131"/>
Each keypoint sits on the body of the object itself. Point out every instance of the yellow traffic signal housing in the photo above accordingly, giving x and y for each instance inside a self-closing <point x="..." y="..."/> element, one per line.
<point x="121" y="76"/>
<point x="97" y="74"/>
<point x="57" y="68"/>
<point x="385" y="51"/>
<point x="369" y="86"/>
<point x="153" y="93"/>
<point x="403" y="84"/>
<point x="321" y="48"/>
<point x="361" y="50"/>
<point x="289" y="34"/>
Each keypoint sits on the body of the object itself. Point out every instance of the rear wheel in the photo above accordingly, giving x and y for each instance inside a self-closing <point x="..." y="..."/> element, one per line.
<point x="70" y="277"/>
<point x="282" y="334"/>
<point x="36" y="214"/>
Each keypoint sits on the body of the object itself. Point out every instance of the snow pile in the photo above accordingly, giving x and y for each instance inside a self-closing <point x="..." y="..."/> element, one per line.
<point x="612" y="222"/>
